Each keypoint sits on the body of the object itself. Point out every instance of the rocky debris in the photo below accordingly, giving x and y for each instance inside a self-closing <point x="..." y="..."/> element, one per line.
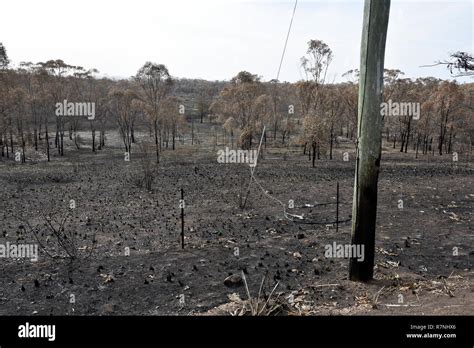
<point x="297" y="255"/>
<point x="169" y="277"/>
<point x="233" y="281"/>
<point x="407" y="242"/>
<point x="108" y="278"/>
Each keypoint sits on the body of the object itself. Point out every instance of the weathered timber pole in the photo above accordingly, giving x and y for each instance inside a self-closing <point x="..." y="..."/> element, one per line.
<point x="364" y="209"/>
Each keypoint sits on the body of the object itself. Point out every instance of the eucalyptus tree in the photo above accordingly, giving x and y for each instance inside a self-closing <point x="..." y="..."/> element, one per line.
<point x="155" y="83"/>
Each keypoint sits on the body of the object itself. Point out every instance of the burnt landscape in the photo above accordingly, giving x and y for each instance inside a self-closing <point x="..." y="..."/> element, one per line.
<point x="199" y="171"/>
<point x="414" y="249"/>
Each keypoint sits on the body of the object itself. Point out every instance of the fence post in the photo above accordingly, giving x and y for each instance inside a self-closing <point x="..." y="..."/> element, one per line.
<point x="337" y="207"/>
<point x="182" y="218"/>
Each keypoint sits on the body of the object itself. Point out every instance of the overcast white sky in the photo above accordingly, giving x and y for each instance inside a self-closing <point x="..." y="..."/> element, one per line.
<point x="215" y="39"/>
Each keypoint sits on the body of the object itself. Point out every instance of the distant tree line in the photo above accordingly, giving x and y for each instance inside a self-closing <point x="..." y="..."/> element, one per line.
<point x="312" y="113"/>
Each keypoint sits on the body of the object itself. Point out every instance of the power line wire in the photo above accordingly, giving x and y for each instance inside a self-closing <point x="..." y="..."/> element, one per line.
<point x="286" y="41"/>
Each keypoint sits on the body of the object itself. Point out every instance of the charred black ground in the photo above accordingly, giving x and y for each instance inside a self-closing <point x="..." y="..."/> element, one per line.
<point x="414" y="245"/>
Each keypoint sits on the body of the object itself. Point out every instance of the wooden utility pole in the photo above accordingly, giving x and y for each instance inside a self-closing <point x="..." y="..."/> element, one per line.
<point x="369" y="140"/>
